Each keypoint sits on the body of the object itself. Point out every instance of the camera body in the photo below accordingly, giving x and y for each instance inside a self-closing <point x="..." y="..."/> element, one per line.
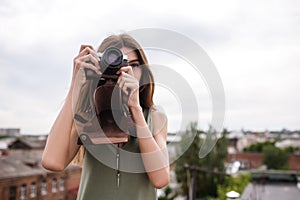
<point x="111" y="60"/>
<point x="104" y="104"/>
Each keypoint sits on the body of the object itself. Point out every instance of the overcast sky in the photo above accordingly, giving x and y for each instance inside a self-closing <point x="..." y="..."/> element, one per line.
<point x="254" y="45"/>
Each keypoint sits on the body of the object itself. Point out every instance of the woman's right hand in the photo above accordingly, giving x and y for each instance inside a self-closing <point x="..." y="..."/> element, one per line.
<point x="86" y="59"/>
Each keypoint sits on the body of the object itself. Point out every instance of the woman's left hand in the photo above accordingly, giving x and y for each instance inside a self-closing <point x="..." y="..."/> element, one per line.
<point x="129" y="85"/>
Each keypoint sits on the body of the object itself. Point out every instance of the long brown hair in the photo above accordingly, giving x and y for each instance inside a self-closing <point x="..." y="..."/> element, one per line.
<point x="146" y="82"/>
<point x="146" y="89"/>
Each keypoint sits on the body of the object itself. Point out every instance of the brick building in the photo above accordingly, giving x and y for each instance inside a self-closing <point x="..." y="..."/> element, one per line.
<point x="255" y="160"/>
<point x="22" y="177"/>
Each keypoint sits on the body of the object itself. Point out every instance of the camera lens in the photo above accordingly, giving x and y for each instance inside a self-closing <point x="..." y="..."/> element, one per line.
<point x="113" y="56"/>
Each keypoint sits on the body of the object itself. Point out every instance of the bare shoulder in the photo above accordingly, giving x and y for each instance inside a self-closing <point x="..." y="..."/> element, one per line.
<point x="158" y="111"/>
<point x="159" y="120"/>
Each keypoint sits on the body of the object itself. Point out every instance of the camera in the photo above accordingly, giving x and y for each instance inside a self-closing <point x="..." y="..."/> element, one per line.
<point x="102" y="106"/>
<point x="111" y="60"/>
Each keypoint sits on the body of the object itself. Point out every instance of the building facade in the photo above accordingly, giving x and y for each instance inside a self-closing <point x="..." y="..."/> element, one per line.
<point x="22" y="177"/>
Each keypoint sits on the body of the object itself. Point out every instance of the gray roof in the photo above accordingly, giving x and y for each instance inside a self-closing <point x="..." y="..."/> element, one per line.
<point x="31" y="142"/>
<point x="274" y="191"/>
<point x="20" y="163"/>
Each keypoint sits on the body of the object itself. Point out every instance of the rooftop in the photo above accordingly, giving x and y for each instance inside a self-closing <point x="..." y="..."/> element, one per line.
<point x="274" y="191"/>
<point x="20" y="163"/>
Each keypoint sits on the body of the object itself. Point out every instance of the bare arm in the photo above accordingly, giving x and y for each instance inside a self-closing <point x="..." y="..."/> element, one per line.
<point x="61" y="146"/>
<point x="153" y="147"/>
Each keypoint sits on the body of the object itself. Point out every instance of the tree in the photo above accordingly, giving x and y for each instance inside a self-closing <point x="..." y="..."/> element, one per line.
<point x="211" y="169"/>
<point x="275" y="158"/>
<point x="258" y="147"/>
<point x="237" y="184"/>
<point x="190" y="157"/>
<point x="168" y="194"/>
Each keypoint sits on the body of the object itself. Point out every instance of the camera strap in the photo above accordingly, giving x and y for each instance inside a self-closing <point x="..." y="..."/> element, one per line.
<point x="113" y="122"/>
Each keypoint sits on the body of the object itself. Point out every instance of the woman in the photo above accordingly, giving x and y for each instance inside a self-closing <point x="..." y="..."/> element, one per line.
<point x="98" y="180"/>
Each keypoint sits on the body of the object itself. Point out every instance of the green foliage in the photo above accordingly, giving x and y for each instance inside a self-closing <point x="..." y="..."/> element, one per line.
<point x="258" y="147"/>
<point x="169" y="194"/>
<point x="275" y="158"/>
<point x="237" y="184"/>
<point x="190" y="157"/>
<point x="207" y="181"/>
<point x="6" y="136"/>
<point x="291" y="149"/>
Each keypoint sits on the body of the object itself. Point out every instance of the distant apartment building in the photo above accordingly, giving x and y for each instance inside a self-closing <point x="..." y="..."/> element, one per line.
<point x="238" y="140"/>
<point x="250" y="160"/>
<point x="9" y="131"/>
<point x="22" y="177"/>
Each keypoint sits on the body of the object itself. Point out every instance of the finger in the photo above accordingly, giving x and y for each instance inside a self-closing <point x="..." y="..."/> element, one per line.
<point x="83" y="46"/>
<point x="124" y="74"/>
<point x="120" y="77"/>
<point x="128" y="84"/>
<point x="128" y="87"/>
<point x="94" y="53"/>
<point x="127" y="75"/>
<point x="87" y="54"/>
<point x="85" y="51"/>
<point x="88" y="50"/>
<point x="122" y="81"/>
<point x="126" y="69"/>
<point x="90" y="66"/>
<point x="90" y="59"/>
<point x="121" y="84"/>
<point x="124" y="88"/>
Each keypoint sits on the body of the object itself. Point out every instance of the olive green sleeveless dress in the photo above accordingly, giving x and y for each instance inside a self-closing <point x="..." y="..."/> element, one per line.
<point x="100" y="181"/>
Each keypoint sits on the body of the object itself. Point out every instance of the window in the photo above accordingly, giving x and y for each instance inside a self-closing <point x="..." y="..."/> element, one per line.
<point x="12" y="193"/>
<point x="61" y="184"/>
<point x="23" y="192"/>
<point x="54" y="185"/>
<point x="44" y="188"/>
<point x="32" y="190"/>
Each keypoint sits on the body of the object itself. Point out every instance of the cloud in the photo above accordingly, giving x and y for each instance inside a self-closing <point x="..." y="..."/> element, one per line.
<point x="253" y="44"/>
